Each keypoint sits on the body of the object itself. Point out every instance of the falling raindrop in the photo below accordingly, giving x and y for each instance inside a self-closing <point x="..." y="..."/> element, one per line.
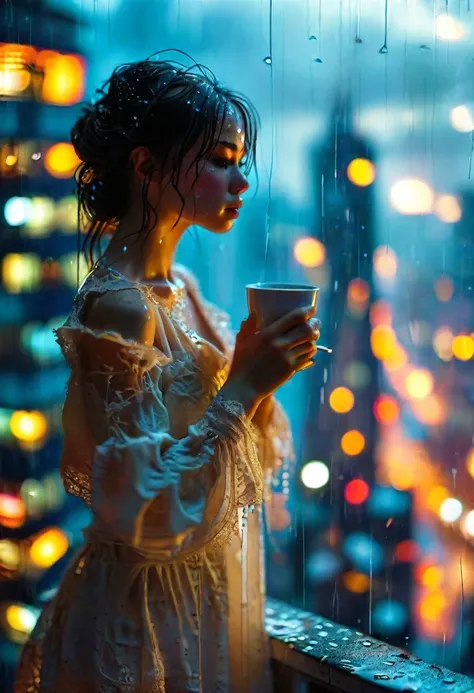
<point x="384" y="48"/>
<point x="267" y="60"/>
<point x="318" y="60"/>
<point x="313" y="38"/>
<point x="358" y="38"/>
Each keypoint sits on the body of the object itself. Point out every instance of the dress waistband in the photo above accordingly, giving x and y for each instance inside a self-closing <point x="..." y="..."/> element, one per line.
<point x="114" y="550"/>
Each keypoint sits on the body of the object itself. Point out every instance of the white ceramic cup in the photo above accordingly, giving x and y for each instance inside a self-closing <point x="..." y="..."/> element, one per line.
<point x="272" y="300"/>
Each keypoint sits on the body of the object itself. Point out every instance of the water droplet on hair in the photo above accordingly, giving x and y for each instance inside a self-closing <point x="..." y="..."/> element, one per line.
<point x="124" y="249"/>
<point x="188" y="102"/>
<point x="267" y="60"/>
<point x="313" y="38"/>
<point x="318" y="60"/>
<point x="197" y="109"/>
<point x="383" y="50"/>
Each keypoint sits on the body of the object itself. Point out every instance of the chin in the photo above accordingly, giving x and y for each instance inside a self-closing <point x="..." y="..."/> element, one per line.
<point x="220" y="226"/>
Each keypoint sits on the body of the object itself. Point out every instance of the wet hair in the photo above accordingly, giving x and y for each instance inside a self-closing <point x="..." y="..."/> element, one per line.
<point x="163" y="106"/>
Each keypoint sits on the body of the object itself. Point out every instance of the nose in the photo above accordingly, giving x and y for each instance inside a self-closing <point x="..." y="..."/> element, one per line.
<point x="239" y="183"/>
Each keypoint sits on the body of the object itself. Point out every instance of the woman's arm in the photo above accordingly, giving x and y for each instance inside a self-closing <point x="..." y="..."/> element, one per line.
<point x="189" y="485"/>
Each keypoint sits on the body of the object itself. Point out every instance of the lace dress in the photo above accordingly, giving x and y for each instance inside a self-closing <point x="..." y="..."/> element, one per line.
<point x="167" y="593"/>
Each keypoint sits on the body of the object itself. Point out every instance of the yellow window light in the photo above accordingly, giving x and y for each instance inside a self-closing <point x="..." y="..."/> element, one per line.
<point x="28" y="426"/>
<point x="48" y="547"/>
<point x="61" y="160"/>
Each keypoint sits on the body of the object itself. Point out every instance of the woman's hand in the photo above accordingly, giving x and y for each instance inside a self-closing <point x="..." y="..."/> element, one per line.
<point x="266" y="359"/>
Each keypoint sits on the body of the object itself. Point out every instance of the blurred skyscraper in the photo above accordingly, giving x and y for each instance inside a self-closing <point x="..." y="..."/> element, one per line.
<point x="42" y="77"/>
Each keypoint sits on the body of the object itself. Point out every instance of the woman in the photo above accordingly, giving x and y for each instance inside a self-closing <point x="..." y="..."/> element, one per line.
<point x="164" y="418"/>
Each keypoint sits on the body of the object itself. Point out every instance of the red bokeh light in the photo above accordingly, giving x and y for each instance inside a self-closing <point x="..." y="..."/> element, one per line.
<point x="406" y="551"/>
<point x="356" y="492"/>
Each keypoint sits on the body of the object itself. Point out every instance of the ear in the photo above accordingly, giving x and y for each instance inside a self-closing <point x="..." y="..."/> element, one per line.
<point x="143" y="163"/>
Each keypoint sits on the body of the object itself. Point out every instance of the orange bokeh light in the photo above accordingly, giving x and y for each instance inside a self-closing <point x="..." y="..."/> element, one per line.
<point x="341" y="400"/>
<point x="386" y="410"/>
<point x="381" y="313"/>
<point x="385" y="262"/>
<point x="309" y="252"/>
<point x="383" y="341"/>
<point x="356" y="582"/>
<point x="361" y="172"/>
<point x="352" y="443"/>
<point x="444" y="289"/>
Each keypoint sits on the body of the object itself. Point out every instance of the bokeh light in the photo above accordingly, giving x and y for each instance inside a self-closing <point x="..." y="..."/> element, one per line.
<point x="419" y="383"/>
<point x="361" y="172"/>
<point x="412" y="196"/>
<point x="315" y="475"/>
<point x="28" y="426"/>
<point x="463" y="347"/>
<point x="48" y="547"/>
<point x="356" y="492"/>
<point x="356" y="582"/>
<point x="61" y="160"/>
<point x="386" y="410"/>
<point x="461" y="119"/>
<point x="448" y="209"/>
<point x="449" y="28"/>
<point x="341" y="400"/>
<point x="451" y="510"/>
<point x="309" y="252"/>
<point x="352" y="443"/>
<point x="385" y="262"/>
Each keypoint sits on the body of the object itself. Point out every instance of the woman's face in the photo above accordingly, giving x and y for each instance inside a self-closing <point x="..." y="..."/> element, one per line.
<point x="214" y="198"/>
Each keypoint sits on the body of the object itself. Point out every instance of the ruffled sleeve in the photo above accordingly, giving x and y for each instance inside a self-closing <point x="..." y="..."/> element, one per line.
<point x="163" y="465"/>
<point x="275" y="440"/>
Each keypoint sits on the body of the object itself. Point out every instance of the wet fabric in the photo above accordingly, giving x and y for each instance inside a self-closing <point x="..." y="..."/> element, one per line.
<point x="167" y="593"/>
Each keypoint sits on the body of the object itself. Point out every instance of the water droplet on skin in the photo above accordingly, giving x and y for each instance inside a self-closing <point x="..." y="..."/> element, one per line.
<point x="267" y="60"/>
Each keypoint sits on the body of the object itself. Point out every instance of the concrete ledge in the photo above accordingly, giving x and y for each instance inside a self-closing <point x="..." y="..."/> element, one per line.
<point x="313" y="654"/>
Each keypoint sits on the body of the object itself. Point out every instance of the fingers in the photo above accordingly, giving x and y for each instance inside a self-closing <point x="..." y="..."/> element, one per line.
<point x="287" y="322"/>
<point x="308" y="332"/>
<point x="302" y="351"/>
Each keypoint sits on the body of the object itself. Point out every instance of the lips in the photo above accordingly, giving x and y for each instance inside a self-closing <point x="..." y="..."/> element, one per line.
<point x="235" y="207"/>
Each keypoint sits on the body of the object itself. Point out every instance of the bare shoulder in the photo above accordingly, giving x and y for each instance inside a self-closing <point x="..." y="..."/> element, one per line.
<point x="127" y="312"/>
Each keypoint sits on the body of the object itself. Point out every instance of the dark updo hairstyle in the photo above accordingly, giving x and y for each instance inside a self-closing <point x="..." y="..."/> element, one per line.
<point x="163" y="106"/>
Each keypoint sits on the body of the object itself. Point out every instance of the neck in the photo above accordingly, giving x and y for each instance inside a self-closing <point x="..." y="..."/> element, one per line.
<point x="145" y="256"/>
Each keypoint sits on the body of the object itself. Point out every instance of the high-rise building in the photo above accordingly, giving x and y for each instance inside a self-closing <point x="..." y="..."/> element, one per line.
<point x="349" y="526"/>
<point x="42" y="76"/>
